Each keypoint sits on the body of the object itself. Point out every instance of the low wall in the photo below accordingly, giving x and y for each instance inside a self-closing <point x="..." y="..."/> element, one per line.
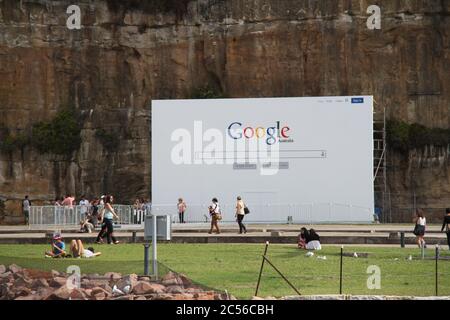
<point x="127" y="238"/>
<point x="363" y="297"/>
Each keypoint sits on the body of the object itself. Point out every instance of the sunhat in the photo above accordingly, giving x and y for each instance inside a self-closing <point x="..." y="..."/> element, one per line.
<point x="57" y="236"/>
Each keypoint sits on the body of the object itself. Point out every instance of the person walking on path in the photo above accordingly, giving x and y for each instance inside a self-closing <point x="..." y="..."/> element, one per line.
<point x="216" y="215"/>
<point x="181" y="209"/>
<point x="102" y="232"/>
<point x="26" y="204"/>
<point x="107" y="216"/>
<point x="445" y="225"/>
<point x="240" y="214"/>
<point x="419" y="229"/>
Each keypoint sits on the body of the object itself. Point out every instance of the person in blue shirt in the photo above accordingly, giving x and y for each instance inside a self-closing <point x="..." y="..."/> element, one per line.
<point x="58" y="247"/>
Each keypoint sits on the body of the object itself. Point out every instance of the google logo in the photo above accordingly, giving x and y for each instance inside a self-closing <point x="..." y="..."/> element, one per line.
<point x="236" y="131"/>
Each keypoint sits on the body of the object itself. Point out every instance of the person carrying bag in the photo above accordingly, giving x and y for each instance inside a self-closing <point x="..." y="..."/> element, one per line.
<point x="240" y="214"/>
<point x="216" y="215"/>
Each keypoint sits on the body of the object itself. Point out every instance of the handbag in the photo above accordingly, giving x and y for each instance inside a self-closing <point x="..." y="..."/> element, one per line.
<point x="217" y="215"/>
<point x="246" y="210"/>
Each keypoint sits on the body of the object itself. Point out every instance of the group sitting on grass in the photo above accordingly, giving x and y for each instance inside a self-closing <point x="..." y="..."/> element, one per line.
<point x="309" y="239"/>
<point x="76" y="250"/>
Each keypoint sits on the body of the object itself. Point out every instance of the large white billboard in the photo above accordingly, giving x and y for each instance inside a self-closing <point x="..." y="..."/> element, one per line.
<point x="305" y="159"/>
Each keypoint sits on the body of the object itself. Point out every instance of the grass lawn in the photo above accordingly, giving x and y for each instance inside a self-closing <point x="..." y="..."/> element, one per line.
<point x="235" y="267"/>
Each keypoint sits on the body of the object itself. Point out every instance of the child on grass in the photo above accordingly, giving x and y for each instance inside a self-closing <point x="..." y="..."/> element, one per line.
<point x="58" y="247"/>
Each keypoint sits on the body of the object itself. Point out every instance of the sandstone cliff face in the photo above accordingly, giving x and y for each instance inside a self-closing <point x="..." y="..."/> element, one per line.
<point x="128" y="53"/>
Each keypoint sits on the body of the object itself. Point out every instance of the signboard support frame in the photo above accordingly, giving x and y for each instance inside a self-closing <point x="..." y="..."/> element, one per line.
<point x="154" y="247"/>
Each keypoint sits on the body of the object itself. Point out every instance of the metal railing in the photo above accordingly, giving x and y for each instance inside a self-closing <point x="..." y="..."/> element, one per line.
<point x="72" y="215"/>
<point x="275" y="213"/>
<point x="259" y="213"/>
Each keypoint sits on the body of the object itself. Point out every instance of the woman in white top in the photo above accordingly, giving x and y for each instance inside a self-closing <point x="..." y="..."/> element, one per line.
<point x="419" y="229"/>
<point x="216" y="215"/>
<point x="107" y="215"/>
<point x="240" y="214"/>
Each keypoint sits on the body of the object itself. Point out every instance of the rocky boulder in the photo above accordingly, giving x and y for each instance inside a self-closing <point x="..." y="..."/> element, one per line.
<point x="98" y="293"/>
<point x="113" y="276"/>
<point x="14" y="268"/>
<point x="143" y="287"/>
<point x="24" y="284"/>
<point x="57" y="282"/>
<point x="127" y="283"/>
<point x="62" y="293"/>
<point x="2" y="269"/>
<point x="39" y="283"/>
<point x="171" y="279"/>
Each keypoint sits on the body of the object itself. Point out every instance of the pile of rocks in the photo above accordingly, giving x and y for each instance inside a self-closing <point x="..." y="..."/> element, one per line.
<point x="17" y="283"/>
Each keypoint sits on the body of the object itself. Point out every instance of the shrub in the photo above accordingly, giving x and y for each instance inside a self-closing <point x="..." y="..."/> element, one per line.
<point x="206" y="92"/>
<point x="9" y="143"/>
<point x="59" y="136"/>
<point x="402" y="136"/>
<point x="397" y="134"/>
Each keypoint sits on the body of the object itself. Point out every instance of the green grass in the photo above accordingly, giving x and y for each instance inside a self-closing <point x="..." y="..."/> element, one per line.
<point x="235" y="267"/>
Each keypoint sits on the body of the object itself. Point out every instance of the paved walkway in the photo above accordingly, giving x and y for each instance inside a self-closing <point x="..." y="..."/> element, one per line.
<point x="229" y="226"/>
<point x="374" y="234"/>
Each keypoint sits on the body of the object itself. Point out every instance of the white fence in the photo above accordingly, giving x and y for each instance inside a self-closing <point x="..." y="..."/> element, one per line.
<point x="274" y="213"/>
<point x="270" y="213"/>
<point x="72" y="215"/>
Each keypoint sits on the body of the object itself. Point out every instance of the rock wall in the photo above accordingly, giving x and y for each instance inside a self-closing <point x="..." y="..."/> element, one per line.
<point x="129" y="52"/>
<point x="419" y="179"/>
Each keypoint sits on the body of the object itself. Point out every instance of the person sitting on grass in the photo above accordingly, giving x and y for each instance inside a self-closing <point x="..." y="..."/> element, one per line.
<point x="309" y="240"/>
<point x="78" y="251"/>
<point x="87" y="224"/>
<point x="58" y="248"/>
<point x="313" y="242"/>
<point x="304" y="234"/>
